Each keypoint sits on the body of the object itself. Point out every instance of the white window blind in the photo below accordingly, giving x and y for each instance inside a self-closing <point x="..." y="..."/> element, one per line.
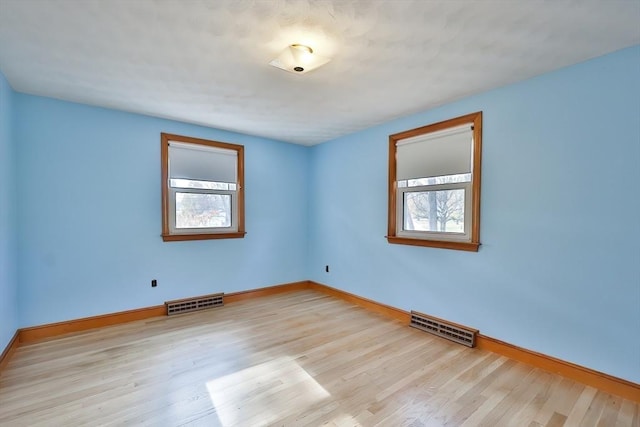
<point x="201" y="163"/>
<point x="449" y="152"/>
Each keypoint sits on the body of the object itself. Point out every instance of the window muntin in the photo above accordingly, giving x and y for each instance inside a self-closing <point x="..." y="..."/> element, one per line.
<point x="202" y="189"/>
<point x="434" y="184"/>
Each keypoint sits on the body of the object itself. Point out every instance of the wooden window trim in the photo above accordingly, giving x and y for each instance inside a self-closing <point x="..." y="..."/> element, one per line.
<point x="474" y="244"/>
<point x="167" y="236"/>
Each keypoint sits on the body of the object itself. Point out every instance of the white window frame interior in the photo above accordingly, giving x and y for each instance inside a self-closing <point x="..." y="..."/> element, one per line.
<point x="439" y="137"/>
<point x="201" y="230"/>
<point x="201" y="166"/>
<point x="173" y="190"/>
<point x="416" y="156"/>
<point x="439" y="235"/>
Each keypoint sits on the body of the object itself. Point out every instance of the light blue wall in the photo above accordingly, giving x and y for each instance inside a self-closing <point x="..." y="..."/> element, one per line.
<point x="8" y="278"/>
<point x="558" y="271"/>
<point x="90" y="220"/>
<point x="559" y="267"/>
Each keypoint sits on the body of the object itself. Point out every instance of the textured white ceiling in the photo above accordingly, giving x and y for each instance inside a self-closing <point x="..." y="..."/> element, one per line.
<point x="205" y="61"/>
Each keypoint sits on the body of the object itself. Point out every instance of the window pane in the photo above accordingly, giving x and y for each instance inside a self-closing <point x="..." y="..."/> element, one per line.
<point x="197" y="210"/>
<point x="445" y="179"/>
<point x="436" y="211"/>
<point x="206" y="185"/>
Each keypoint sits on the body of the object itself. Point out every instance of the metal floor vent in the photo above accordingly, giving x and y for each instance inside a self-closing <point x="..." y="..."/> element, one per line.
<point x="451" y="331"/>
<point x="194" y="304"/>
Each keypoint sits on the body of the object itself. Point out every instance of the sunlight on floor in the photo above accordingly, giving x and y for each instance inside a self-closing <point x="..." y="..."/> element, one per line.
<point x="344" y="420"/>
<point x="264" y="393"/>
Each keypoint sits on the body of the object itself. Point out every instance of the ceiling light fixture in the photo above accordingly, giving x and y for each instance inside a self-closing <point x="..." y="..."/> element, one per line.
<point x="298" y="59"/>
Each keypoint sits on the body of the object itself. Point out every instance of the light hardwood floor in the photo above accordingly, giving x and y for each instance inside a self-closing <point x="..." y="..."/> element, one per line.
<point x="294" y="359"/>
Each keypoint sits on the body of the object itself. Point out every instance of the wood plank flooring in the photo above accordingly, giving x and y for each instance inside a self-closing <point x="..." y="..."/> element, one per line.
<point x="295" y="359"/>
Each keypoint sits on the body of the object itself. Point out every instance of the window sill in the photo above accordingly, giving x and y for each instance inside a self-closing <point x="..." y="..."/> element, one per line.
<point x="444" y="244"/>
<point x="209" y="236"/>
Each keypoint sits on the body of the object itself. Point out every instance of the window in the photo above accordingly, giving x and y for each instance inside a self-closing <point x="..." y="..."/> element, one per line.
<point x="202" y="189"/>
<point x="434" y="184"/>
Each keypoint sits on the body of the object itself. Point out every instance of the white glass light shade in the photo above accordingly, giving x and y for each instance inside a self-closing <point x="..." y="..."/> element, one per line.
<point x="298" y="59"/>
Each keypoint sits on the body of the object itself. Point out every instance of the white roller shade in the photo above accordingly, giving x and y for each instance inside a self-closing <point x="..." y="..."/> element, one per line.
<point x="202" y="163"/>
<point x="447" y="152"/>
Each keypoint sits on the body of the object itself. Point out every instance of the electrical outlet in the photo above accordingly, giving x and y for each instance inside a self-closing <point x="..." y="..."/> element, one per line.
<point x="154" y="283"/>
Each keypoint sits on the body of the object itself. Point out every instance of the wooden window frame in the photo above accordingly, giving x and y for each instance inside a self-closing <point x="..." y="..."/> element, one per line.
<point x="167" y="236"/>
<point x="392" y="233"/>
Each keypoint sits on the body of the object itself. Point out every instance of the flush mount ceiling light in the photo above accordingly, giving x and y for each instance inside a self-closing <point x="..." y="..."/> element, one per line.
<point x="298" y="59"/>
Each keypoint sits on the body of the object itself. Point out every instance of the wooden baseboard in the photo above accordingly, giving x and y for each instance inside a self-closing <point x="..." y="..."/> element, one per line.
<point x="37" y="333"/>
<point x="593" y="378"/>
<point x="376" y="307"/>
<point x="263" y="292"/>
<point x="9" y="349"/>
<point x="602" y="381"/>
<point x="599" y="380"/>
